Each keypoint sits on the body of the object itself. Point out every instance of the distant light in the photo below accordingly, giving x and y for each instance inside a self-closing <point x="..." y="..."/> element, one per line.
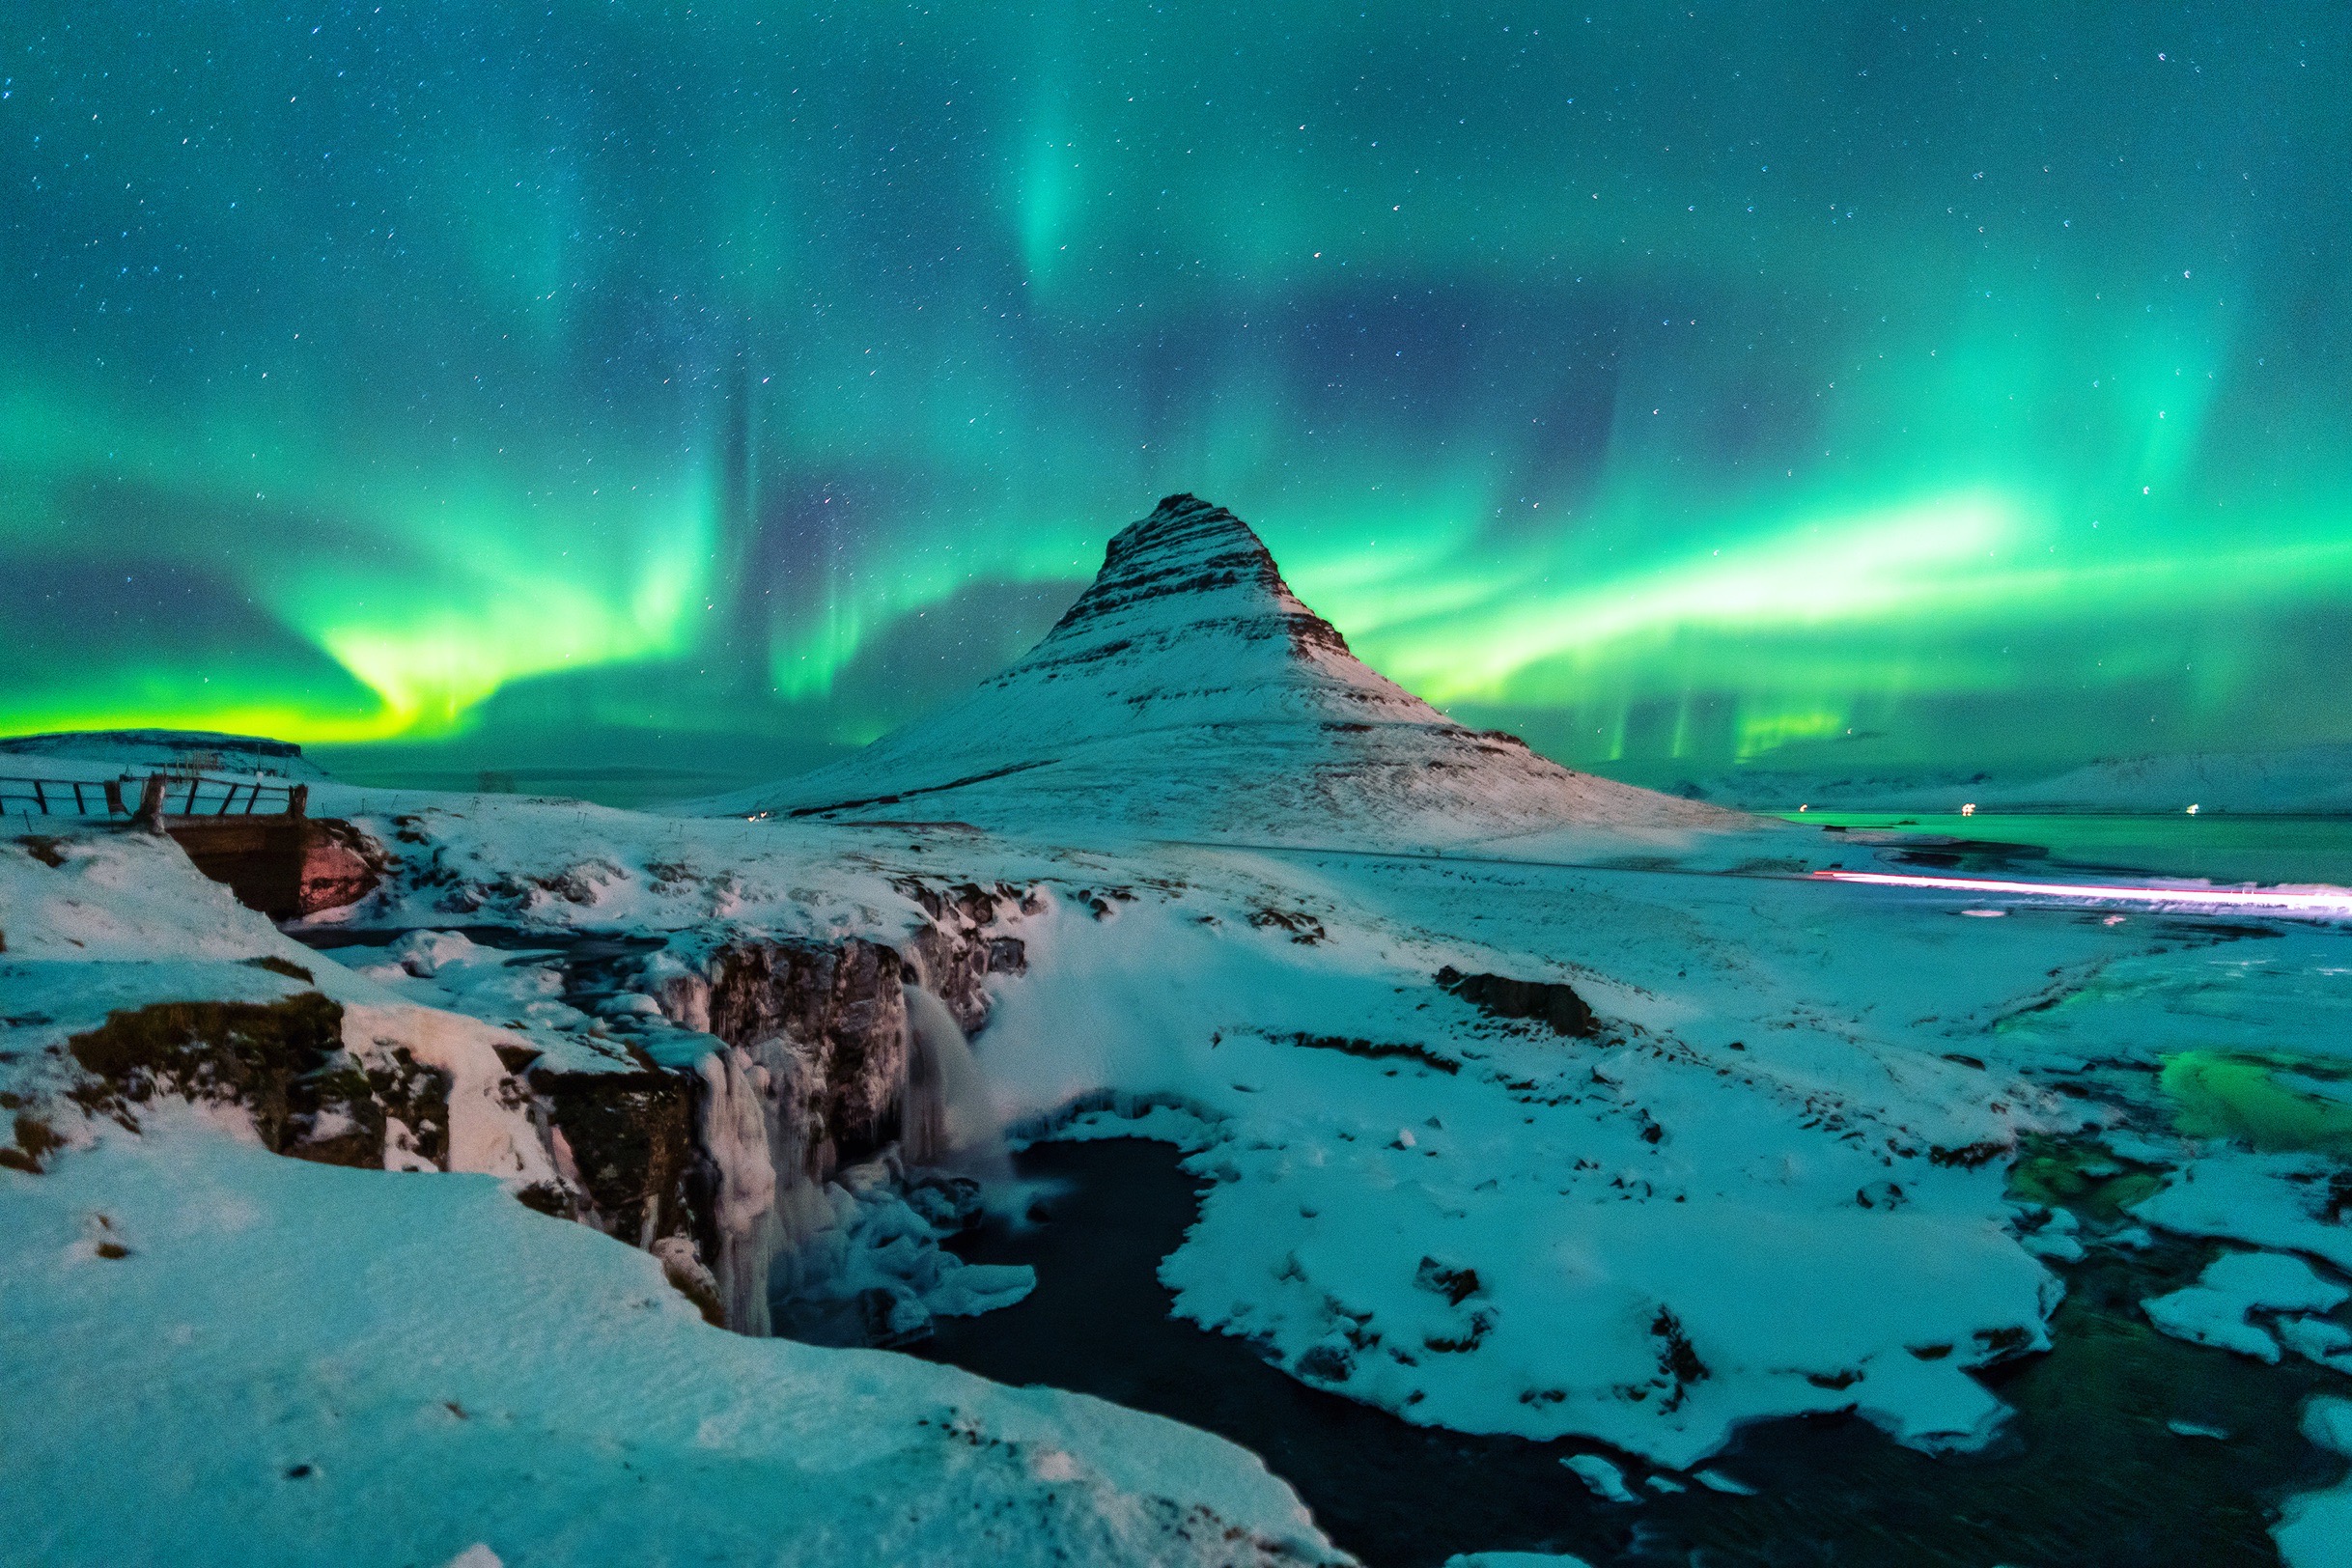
<point x="2193" y="809"/>
<point x="1804" y="808"/>
<point x="1969" y="811"/>
<point x="2326" y="903"/>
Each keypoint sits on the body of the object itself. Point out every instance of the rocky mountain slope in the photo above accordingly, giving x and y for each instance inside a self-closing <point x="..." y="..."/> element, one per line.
<point x="1187" y="693"/>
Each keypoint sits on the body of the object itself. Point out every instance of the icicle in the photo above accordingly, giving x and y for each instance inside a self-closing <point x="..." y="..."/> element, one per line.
<point x="734" y="1134"/>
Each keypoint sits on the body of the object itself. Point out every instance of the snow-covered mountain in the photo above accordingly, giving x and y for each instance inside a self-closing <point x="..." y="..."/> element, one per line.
<point x="1188" y="693"/>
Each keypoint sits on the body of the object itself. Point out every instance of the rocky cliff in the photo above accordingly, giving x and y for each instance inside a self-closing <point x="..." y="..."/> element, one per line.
<point x="724" y="1158"/>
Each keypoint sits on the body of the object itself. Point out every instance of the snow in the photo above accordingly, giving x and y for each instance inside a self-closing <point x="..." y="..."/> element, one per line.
<point x="304" y="1362"/>
<point x="489" y="1128"/>
<point x="2316" y="1530"/>
<point x="1530" y="1163"/>
<point x="2263" y="1200"/>
<point x="298" y="1361"/>
<point x="2218" y="1309"/>
<point x="1774" y="1180"/>
<point x="2316" y="780"/>
<point x="1188" y="693"/>
<point x="1775" y="1051"/>
<point x="106" y="753"/>
<point x="1606" y="1481"/>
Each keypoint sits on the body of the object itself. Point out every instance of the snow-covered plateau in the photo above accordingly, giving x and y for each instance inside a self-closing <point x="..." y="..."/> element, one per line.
<point x="1533" y="1105"/>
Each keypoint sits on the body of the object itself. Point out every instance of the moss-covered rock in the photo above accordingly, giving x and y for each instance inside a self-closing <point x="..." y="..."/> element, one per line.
<point x="283" y="1062"/>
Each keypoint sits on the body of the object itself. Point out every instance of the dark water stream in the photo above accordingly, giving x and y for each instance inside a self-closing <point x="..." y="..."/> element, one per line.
<point x="2086" y="1473"/>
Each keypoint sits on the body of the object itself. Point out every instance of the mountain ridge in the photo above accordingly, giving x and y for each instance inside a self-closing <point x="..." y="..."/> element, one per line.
<point x="1189" y="691"/>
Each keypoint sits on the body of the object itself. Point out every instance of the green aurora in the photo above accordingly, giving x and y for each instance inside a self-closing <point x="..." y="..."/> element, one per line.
<point x="1679" y="385"/>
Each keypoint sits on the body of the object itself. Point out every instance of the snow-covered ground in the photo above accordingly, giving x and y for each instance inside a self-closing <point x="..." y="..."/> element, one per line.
<point x="1533" y="1105"/>
<point x="212" y="1353"/>
<point x="145" y="750"/>
<point x="1774" y="1182"/>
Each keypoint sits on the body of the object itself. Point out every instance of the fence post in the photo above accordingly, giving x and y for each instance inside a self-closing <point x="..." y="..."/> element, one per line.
<point x="297" y="799"/>
<point x="114" y="798"/>
<point x="150" y="805"/>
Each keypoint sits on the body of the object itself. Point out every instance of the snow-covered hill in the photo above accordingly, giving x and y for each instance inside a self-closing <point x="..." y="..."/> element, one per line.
<point x="149" y="749"/>
<point x="2316" y="780"/>
<point x="2309" y="779"/>
<point x="1189" y="694"/>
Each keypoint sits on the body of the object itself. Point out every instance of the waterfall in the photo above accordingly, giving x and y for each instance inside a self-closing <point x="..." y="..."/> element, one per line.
<point x="766" y="1207"/>
<point x="946" y="1118"/>
<point x="734" y="1136"/>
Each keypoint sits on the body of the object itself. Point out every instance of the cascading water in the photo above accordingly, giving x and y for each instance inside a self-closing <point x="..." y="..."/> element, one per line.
<point x="766" y="1205"/>
<point x="850" y="1254"/>
<point x="946" y="1119"/>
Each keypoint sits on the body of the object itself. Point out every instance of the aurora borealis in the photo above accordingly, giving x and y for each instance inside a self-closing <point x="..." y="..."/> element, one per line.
<point x="1676" y="384"/>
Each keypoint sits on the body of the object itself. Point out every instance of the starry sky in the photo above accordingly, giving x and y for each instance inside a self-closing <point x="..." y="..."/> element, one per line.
<point x="719" y="386"/>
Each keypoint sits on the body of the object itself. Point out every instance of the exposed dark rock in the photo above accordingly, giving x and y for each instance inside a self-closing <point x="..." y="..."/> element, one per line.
<point x="1678" y="1362"/>
<point x="282" y="1061"/>
<point x="43" y="849"/>
<point x="1969" y="1156"/>
<point x="1377" y="1049"/>
<point x="341" y="865"/>
<point x="1327" y="1363"/>
<point x="35" y="1141"/>
<point x="1304" y="928"/>
<point x="841" y="1010"/>
<point x="283" y="866"/>
<point x="1456" y="1283"/>
<point x="630" y="1139"/>
<point x="1549" y="1002"/>
<point x="964" y="943"/>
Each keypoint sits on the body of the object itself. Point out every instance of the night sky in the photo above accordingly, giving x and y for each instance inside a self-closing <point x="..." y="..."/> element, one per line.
<point x="1675" y="385"/>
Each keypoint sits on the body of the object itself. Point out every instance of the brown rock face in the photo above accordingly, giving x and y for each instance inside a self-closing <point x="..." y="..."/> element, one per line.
<point x="282" y="1061"/>
<point x="341" y="865"/>
<point x="630" y="1139"/>
<point x="844" y="1016"/>
<point x="283" y="866"/>
<point x="965" y="942"/>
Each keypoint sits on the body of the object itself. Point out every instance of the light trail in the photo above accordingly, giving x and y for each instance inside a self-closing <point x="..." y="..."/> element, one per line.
<point x="2325" y="902"/>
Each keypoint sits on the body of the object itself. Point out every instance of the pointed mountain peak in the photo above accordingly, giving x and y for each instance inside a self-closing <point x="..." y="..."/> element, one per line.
<point x="1188" y="692"/>
<point x="1191" y="568"/>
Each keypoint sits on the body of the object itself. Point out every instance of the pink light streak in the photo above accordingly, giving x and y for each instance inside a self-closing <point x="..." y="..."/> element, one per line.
<point x="2325" y="902"/>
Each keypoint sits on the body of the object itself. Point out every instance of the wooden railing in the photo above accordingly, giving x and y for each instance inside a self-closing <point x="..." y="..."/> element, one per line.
<point x="159" y="796"/>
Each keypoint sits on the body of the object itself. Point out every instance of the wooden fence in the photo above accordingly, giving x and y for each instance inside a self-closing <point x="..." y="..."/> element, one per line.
<point x="159" y="796"/>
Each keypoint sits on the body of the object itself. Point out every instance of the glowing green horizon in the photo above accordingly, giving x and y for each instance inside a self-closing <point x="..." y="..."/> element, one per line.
<point x="1729" y="385"/>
